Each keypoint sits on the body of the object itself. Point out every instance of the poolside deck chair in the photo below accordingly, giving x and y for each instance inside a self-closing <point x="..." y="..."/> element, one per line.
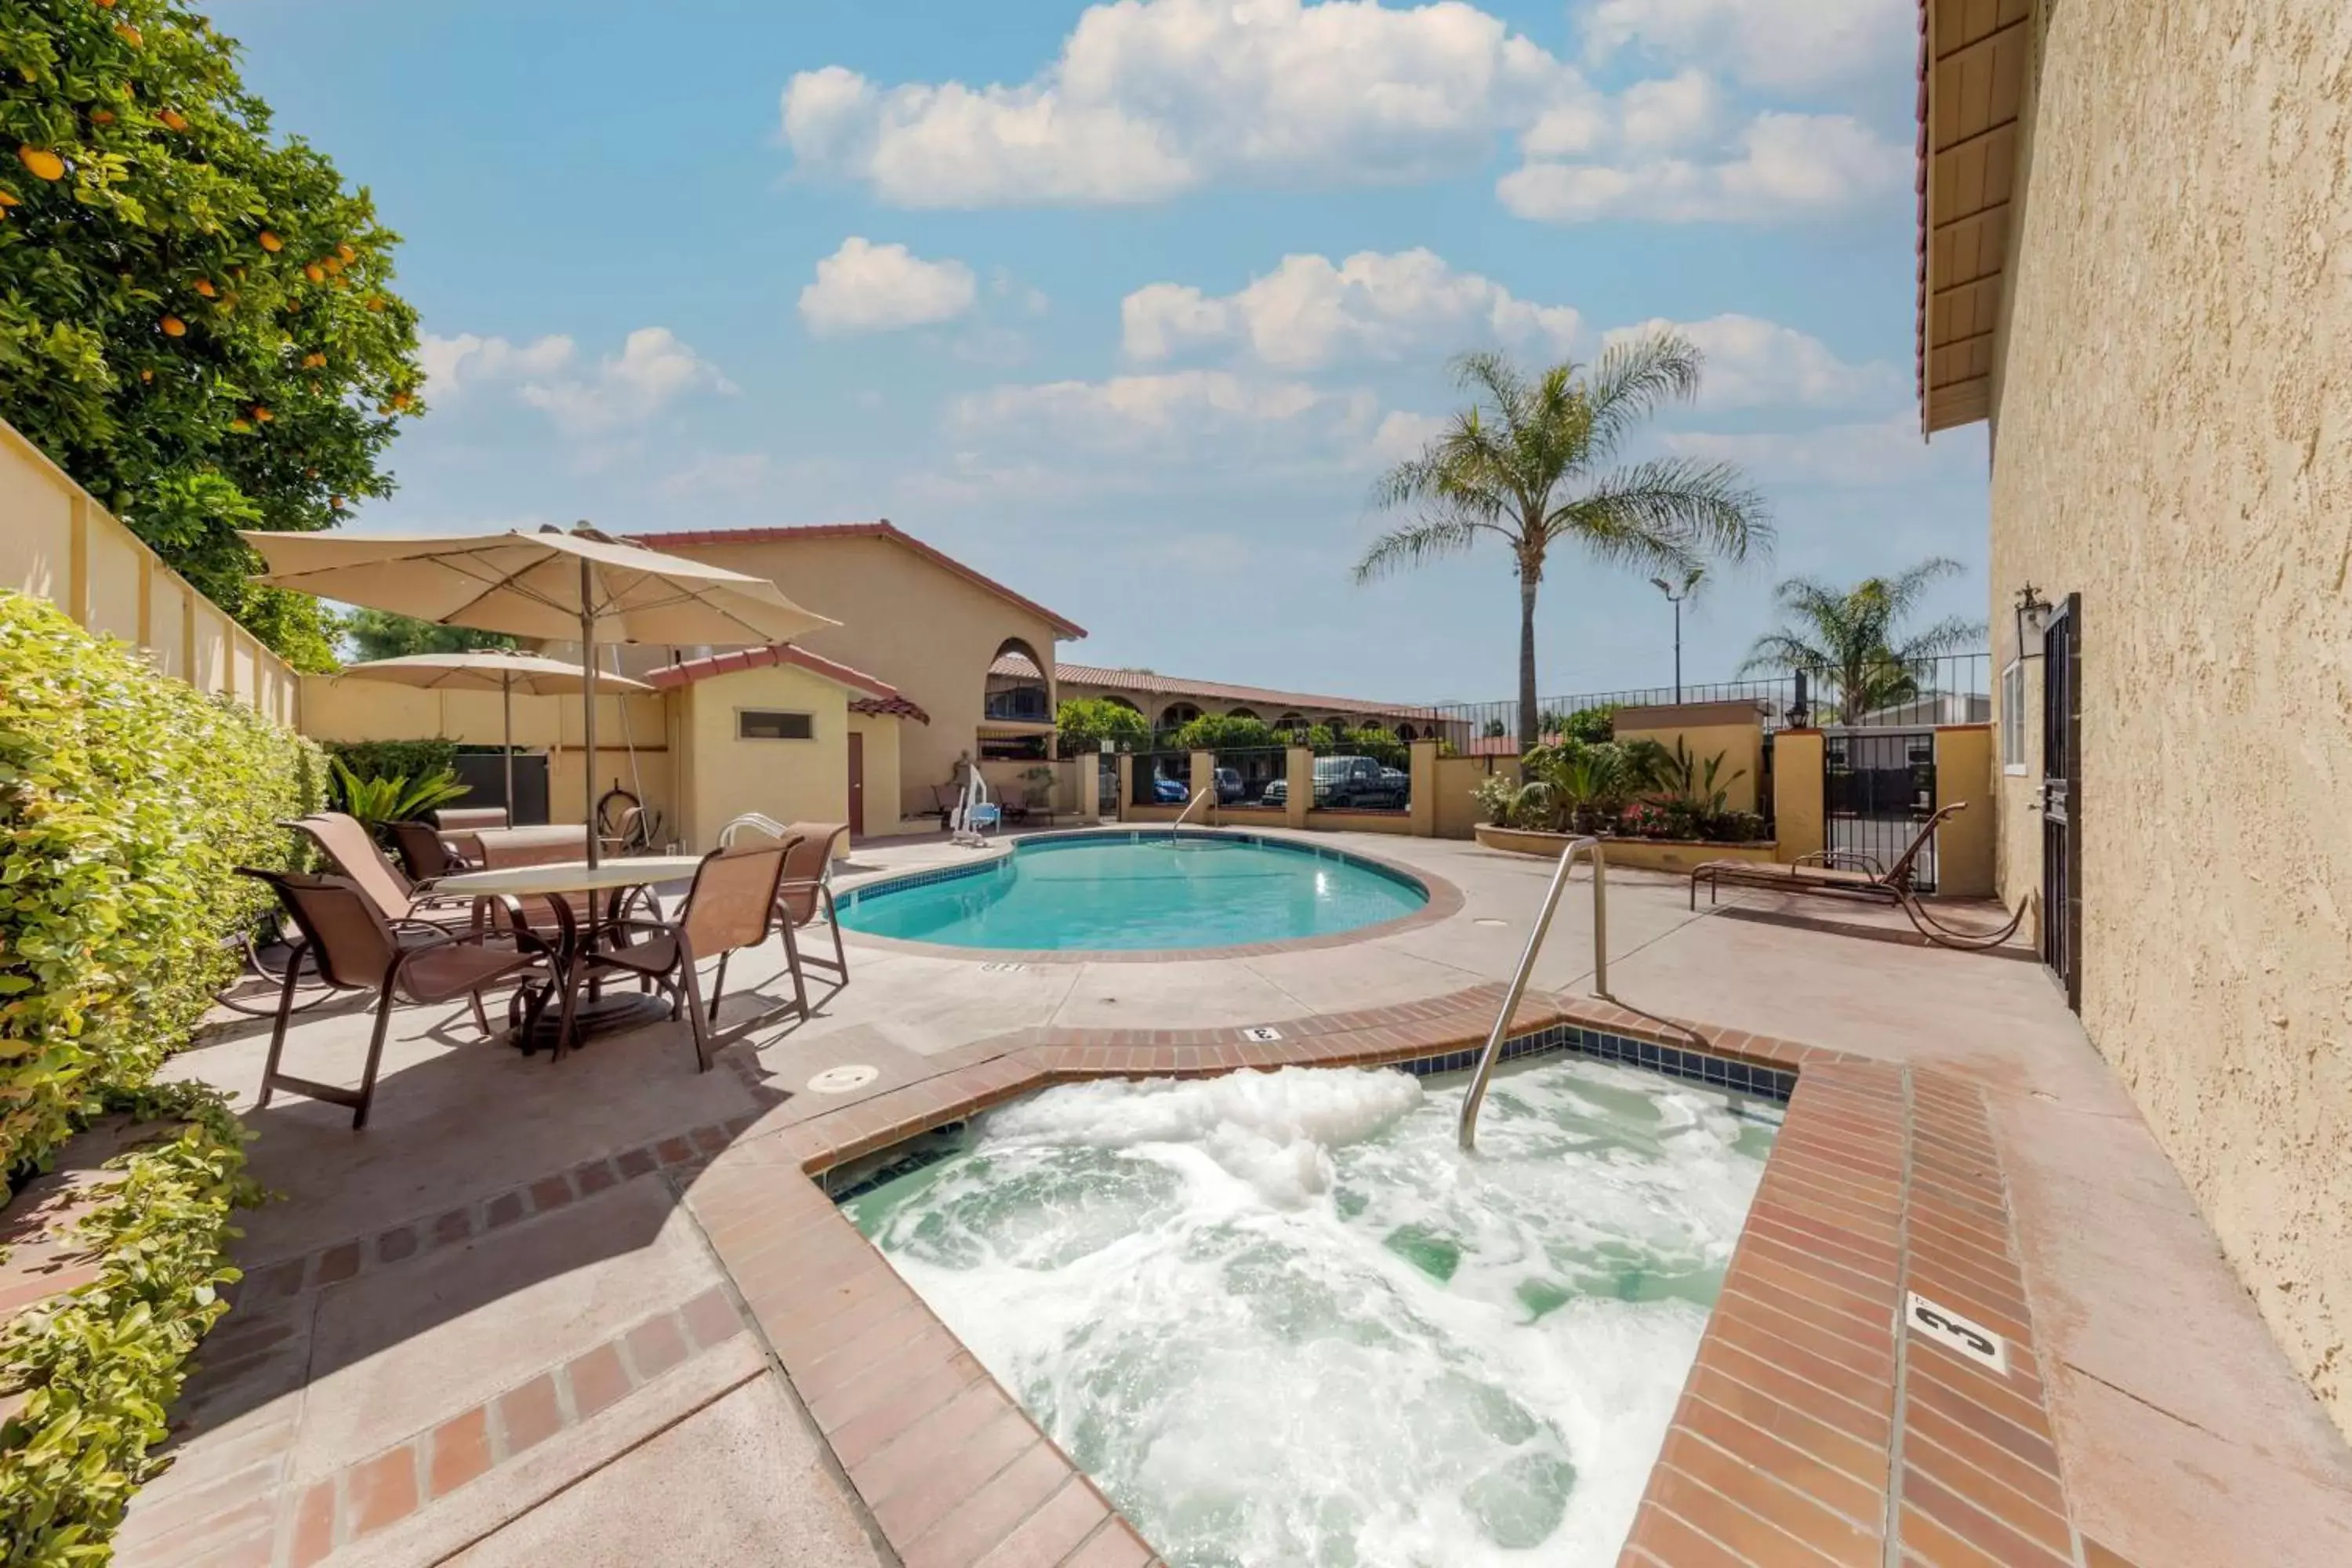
<point x="1844" y="874"/>
<point x="805" y="891"/>
<point x="732" y="905"/>
<point x="424" y="855"/>
<point x="346" y="841"/>
<point x="355" y="948"/>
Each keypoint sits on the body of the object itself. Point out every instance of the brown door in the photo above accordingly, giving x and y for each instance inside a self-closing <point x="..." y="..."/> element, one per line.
<point x="856" y="783"/>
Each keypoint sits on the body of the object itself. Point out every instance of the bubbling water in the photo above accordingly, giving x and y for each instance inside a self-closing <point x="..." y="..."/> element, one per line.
<point x="1281" y="1319"/>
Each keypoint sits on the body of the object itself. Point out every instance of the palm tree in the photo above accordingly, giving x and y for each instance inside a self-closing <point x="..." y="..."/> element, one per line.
<point x="1849" y="636"/>
<point x="1524" y="463"/>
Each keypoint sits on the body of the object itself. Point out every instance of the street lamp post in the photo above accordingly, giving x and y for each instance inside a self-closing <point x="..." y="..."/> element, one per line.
<point x="1676" y="596"/>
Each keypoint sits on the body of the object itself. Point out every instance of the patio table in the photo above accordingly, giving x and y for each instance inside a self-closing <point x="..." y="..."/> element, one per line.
<point x="553" y="881"/>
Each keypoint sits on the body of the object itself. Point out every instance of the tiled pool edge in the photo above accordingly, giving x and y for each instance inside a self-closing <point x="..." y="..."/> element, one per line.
<point x="1884" y="1178"/>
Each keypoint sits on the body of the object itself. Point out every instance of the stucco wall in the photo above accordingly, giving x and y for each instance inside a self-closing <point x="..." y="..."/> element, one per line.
<point x="58" y="544"/>
<point x="925" y="630"/>
<point x="2173" y="441"/>
<point x="1733" y="731"/>
<point x="791" y="780"/>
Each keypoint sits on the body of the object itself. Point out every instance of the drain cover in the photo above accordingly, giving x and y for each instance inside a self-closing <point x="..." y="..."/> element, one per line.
<point x="843" y="1079"/>
<point x="1002" y="968"/>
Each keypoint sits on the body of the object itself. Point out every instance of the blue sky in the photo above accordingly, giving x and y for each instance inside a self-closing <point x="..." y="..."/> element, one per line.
<point x="1128" y="305"/>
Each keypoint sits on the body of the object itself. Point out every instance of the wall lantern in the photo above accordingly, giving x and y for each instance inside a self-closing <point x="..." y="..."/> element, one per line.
<point x="2032" y="616"/>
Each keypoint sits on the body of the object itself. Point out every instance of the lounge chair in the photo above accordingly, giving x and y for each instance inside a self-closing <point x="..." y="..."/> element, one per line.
<point x="345" y="840"/>
<point x="424" y="855"/>
<point x="1844" y="874"/>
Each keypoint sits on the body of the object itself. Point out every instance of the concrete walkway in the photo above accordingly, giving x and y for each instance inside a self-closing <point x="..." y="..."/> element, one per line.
<point x="489" y="1328"/>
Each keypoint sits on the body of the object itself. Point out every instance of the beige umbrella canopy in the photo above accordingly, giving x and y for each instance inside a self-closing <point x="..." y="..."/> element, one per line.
<point x="487" y="669"/>
<point x="549" y="584"/>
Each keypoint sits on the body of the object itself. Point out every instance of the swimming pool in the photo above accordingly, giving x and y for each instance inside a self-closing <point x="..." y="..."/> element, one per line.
<point x="1125" y="892"/>
<point x="1280" y="1319"/>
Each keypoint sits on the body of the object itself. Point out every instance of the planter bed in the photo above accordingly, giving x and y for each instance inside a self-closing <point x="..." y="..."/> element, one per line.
<point x="1640" y="854"/>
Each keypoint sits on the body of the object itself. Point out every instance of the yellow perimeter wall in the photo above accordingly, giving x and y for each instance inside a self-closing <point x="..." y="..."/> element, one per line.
<point x="1733" y="729"/>
<point x="58" y="544"/>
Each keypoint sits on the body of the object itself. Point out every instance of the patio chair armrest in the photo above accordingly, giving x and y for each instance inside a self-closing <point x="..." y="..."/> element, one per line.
<point x="1842" y="859"/>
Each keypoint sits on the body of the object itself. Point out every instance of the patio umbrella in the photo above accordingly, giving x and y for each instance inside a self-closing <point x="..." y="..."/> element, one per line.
<point x="487" y="669"/>
<point x="550" y="585"/>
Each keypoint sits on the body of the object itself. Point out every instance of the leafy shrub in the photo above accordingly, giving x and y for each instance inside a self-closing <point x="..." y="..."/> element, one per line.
<point x="1219" y="732"/>
<point x="1590" y="725"/>
<point x="384" y="759"/>
<point x="127" y="801"/>
<point x="101" y="1365"/>
<point x="1099" y="724"/>
<point x="393" y="797"/>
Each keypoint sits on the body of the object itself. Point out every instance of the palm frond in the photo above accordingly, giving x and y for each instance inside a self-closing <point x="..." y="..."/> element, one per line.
<point x="1416" y="544"/>
<point x="1951" y="634"/>
<point x="1633" y="379"/>
<point x="1779" y="653"/>
<point x="1668" y="514"/>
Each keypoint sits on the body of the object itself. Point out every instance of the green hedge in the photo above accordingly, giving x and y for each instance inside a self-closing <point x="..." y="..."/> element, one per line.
<point x="101" y="1365"/>
<point x="127" y="801"/>
<point x="396" y="759"/>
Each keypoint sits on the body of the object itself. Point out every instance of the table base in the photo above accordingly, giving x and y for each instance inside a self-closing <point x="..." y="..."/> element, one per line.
<point x="609" y="1013"/>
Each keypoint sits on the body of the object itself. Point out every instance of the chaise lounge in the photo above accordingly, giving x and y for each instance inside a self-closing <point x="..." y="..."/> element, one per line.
<point x="1843" y="874"/>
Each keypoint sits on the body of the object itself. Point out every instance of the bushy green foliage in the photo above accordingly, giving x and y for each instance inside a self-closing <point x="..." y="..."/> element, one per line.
<point x="1633" y="788"/>
<point x="383" y="759"/>
<point x="1099" y="724"/>
<point x="380" y="633"/>
<point x="127" y="801"/>
<point x="1219" y="732"/>
<point x="393" y="797"/>
<point x="1590" y="725"/>
<point x="196" y="320"/>
<point x="101" y="1366"/>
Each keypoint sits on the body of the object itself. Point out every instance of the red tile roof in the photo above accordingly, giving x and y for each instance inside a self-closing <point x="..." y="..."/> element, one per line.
<point x="1145" y="681"/>
<point x="881" y="697"/>
<point x="882" y="529"/>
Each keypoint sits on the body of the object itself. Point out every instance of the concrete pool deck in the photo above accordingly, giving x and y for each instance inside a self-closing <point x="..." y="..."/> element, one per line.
<point x="591" y="1312"/>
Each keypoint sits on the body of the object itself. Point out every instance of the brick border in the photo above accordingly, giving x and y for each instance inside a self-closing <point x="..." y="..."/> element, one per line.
<point x="1445" y="901"/>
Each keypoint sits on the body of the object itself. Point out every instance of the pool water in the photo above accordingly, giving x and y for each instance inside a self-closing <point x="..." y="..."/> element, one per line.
<point x="1281" y="1319"/>
<point x="1134" y="892"/>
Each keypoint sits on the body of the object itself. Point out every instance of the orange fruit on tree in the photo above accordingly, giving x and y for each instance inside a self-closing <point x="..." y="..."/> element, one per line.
<point x="101" y="117"/>
<point x="272" y="243"/>
<point x="314" y="359"/>
<point x="347" y="253"/>
<point x="205" y="287"/>
<point x="337" y="502"/>
<point x="173" y="120"/>
<point x="41" y="162"/>
<point x="240" y="426"/>
<point x="146" y="375"/>
<point x="314" y="272"/>
<point x="174" y="327"/>
<point x="129" y="34"/>
<point x="262" y="415"/>
<point x="7" y="199"/>
<point x="106" y="5"/>
<point x="374" y="302"/>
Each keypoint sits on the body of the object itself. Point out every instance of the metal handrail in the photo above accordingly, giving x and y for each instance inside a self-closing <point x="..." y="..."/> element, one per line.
<point x="1198" y="796"/>
<point x="1493" y="1052"/>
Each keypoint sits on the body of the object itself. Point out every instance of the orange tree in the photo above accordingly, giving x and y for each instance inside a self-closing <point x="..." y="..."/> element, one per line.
<point x="196" y="321"/>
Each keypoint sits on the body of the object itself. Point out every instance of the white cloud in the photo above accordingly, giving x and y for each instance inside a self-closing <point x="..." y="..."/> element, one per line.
<point x="1756" y="363"/>
<point x="653" y="370"/>
<point x="1779" y="166"/>
<point x="1309" y="311"/>
<point x="1888" y="451"/>
<point x="1782" y="44"/>
<point x="1403" y="435"/>
<point x="1670" y="111"/>
<point x="1141" y="410"/>
<point x="453" y="364"/>
<point x="868" y="288"/>
<point x="1150" y="98"/>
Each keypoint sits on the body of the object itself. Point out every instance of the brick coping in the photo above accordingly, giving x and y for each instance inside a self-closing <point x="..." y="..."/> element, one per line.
<point x="1812" y="1425"/>
<point x="1442" y="901"/>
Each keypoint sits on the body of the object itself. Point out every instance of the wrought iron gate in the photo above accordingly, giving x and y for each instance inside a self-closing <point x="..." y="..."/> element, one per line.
<point x="2061" y="804"/>
<point x="1878" y="787"/>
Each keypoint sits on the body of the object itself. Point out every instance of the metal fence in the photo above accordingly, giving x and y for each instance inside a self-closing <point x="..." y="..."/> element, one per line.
<point x="1161" y="778"/>
<point x="1245" y="773"/>
<point x="1950" y="689"/>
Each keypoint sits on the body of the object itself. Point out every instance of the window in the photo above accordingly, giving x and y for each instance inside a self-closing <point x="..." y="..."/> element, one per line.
<point x="2012" y="718"/>
<point x="766" y="724"/>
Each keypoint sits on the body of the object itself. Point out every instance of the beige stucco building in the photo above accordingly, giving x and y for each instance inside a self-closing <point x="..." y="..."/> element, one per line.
<point x="2136" y="263"/>
<point x="1169" y="702"/>
<point x="920" y="624"/>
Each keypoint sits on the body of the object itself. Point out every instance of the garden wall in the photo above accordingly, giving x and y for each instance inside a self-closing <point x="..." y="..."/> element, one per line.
<point x="58" y="544"/>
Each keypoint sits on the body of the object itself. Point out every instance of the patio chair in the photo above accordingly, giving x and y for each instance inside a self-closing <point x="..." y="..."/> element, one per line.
<point x="466" y="818"/>
<point x="1846" y="874"/>
<point x="424" y="854"/>
<point x="732" y="905"/>
<point x="354" y="948"/>
<point x="945" y="799"/>
<point x="505" y="847"/>
<point x="807" y="890"/>
<point x="346" y="841"/>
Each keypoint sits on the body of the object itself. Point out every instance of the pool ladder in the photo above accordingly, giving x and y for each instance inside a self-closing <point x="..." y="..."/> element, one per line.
<point x="1493" y="1054"/>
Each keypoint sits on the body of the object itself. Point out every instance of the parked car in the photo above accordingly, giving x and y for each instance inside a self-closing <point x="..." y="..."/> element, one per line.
<point x="1343" y="783"/>
<point x="1229" y="788"/>
<point x="1168" y="792"/>
<point x="1276" y="793"/>
<point x="1400" y="785"/>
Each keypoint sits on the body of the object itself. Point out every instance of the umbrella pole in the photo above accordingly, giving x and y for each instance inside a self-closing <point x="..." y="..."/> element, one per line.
<point x="506" y="701"/>
<point x="588" y="686"/>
